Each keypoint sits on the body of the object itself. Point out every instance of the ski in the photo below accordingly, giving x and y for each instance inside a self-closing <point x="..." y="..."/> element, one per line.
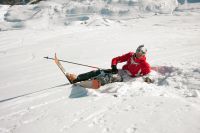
<point x="93" y="84"/>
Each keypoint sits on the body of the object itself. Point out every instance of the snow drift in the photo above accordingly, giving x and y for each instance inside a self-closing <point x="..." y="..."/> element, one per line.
<point x="83" y="12"/>
<point x="158" y="6"/>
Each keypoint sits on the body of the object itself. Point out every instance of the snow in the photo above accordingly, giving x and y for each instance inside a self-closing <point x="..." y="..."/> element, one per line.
<point x="36" y="97"/>
<point x="161" y="6"/>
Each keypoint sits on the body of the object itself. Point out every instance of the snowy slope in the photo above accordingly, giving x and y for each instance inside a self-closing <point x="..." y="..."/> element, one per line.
<point x="35" y="97"/>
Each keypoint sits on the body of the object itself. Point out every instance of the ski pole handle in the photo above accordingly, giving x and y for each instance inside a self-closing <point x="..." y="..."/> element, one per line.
<point x="73" y="63"/>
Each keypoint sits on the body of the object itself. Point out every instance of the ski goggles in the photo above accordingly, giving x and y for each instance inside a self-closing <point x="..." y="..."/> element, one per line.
<point x="142" y="52"/>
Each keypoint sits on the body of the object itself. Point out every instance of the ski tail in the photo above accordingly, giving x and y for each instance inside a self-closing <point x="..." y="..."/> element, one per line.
<point x="93" y="84"/>
<point x="96" y="84"/>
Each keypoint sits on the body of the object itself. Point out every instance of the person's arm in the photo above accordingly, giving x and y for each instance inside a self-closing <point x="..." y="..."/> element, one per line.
<point x="146" y="68"/>
<point x="120" y="59"/>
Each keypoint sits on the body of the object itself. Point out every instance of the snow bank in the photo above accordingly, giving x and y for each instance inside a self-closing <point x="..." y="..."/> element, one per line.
<point x="158" y="6"/>
<point x="15" y="17"/>
<point x="3" y="10"/>
<point x="45" y="14"/>
<point x="184" y="81"/>
<point x="21" y="13"/>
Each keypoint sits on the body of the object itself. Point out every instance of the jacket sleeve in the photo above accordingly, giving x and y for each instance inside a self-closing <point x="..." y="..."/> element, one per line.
<point x="122" y="58"/>
<point x="146" y="69"/>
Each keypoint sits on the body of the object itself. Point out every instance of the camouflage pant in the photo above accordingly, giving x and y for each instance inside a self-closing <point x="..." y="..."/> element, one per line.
<point x="105" y="76"/>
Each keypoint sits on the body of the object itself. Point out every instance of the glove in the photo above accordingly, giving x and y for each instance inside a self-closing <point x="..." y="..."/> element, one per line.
<point x="148" y="80"/>
<point x="114" y="69"/>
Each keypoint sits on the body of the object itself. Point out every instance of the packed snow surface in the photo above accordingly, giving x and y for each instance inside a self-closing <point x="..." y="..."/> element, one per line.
<point x="35" y="97"/>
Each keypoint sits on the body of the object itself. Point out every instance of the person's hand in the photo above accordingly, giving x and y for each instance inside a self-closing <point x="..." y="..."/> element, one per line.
<point x="148" y="80"/>
<point x="114" y="69"/>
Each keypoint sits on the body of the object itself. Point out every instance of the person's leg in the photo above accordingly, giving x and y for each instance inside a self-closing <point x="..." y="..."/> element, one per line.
<point x="90" y="75"/>
<point x="125" y="76"/>
<point x="86" y="76"/>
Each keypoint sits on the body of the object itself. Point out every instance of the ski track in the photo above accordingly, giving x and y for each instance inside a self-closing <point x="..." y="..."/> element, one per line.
<point x="89" y="116"/>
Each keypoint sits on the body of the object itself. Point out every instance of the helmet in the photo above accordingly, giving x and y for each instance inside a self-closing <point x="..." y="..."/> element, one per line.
<point x="141" y="49"/>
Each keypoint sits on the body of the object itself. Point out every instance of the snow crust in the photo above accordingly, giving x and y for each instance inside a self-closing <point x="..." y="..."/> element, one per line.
<point x="35" y="97"/>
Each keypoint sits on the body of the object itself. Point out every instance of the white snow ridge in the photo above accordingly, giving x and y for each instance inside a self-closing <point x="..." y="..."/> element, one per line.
<point x="35" y="97"/>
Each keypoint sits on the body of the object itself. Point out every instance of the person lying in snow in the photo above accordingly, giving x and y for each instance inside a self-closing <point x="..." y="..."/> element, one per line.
<point x="135" y="66"/>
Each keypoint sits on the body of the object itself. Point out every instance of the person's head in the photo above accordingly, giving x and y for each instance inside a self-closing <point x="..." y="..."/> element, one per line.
<point x="140" y="51"/>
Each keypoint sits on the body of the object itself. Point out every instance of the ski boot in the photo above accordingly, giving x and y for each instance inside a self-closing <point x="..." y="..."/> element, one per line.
<point x="71" y="77"/>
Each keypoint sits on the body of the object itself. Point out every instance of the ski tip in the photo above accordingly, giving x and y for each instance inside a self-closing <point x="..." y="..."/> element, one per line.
<point x="56" y="59"/>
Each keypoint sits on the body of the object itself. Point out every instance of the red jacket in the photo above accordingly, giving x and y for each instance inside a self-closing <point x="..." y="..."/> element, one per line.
<point x="134" y="66"/>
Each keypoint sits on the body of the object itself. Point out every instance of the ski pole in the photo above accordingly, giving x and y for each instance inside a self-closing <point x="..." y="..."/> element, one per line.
<point x="73" y="63"/>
